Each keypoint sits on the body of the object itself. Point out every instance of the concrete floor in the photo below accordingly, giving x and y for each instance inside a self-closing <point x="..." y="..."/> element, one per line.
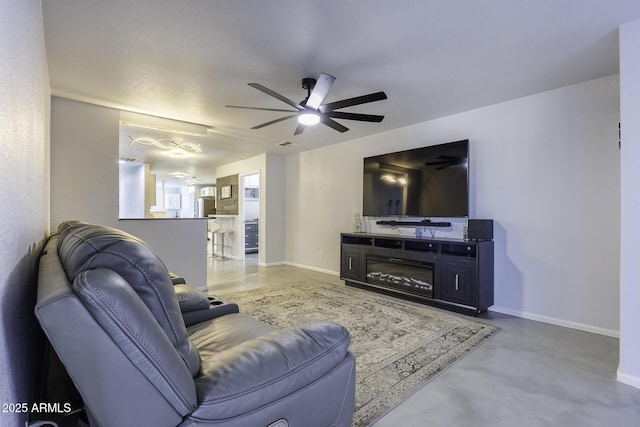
<point x="529" y="374"/>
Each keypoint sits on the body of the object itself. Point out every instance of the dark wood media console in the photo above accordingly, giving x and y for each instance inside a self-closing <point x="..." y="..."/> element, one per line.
<point x="453" y="274"/>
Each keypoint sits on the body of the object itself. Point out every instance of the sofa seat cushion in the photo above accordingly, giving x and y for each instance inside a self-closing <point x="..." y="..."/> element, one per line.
<point x="224" y="332"/>
<point x="236" y="379"/>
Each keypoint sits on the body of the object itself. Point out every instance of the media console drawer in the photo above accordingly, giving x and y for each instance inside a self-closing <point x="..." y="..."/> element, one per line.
<point x="451" y="274"/>
<point x="463" y="249"/>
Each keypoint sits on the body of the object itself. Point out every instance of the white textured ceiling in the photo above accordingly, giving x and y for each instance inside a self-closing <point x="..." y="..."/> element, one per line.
<point x="187" y="59"/>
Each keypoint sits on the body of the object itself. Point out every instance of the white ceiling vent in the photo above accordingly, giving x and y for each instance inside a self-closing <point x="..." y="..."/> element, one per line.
<point x="288" y="144"/>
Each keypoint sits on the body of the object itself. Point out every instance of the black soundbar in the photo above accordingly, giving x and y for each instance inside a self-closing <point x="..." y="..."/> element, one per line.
<point x="423" y="223"/>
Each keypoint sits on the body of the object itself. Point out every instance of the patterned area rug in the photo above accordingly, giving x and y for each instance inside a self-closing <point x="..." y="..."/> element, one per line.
<point x="398" y="345"/>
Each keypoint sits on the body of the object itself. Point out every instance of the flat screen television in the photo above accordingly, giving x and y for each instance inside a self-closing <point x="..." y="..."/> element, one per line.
<point x="423" y="182"/>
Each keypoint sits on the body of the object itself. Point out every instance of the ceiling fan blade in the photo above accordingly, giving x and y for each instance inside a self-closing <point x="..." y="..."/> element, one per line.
<point x="320" y="90"/>
<point x="354" y="116"/>
<point x="372" y="97"/>
<point x="333" y="124"/>
<point x="261" y="109"/>
<point x="274" y="121"/>
<point x="275" y="95"/>
<point x="299" y="129"/>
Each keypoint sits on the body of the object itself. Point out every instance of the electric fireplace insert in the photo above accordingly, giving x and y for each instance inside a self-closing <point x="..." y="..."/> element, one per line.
<point x="407" y="276"/>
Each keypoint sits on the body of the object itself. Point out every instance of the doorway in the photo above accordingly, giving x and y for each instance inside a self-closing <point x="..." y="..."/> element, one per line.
<point x="250" y="187"/>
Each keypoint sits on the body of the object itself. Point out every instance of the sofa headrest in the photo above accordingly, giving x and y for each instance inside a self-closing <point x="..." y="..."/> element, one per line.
<point x="83" y="246"/>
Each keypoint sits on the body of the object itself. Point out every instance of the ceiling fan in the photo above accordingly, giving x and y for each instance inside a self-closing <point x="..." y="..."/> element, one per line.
<point x="311" y="110"/>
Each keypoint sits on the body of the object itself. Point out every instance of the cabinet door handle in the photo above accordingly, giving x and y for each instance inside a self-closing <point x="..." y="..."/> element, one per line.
<point x="457" y="283"/>
<point x="350" y="263"/>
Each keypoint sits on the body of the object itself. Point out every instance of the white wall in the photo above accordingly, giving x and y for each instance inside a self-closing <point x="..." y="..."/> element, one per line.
<point x="544" y="167"/>
<point x="84" y="186"/>
<point x="271" y="235"/>
<point x="629" y="368"/>
<point x="273" y="199"/>
<point x="84" y="162"/>
<point x="131" y="190"/>
<point x="24" y="198"/>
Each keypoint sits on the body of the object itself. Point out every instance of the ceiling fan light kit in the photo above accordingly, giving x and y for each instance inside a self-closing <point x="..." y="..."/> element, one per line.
<point x="312" y="111"/>
<point x="309" y="118"/>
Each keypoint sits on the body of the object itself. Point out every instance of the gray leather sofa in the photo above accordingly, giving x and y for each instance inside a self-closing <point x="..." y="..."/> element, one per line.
<point x="116" y="320"/>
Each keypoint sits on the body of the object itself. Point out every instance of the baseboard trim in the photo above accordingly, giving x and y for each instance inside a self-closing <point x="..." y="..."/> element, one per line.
<point x="308" y="267"/>
<point x="627" y="379"/>
<point x="556" y="321"/>
<point x="509" y="311"/>
<point x="271" y="264"/>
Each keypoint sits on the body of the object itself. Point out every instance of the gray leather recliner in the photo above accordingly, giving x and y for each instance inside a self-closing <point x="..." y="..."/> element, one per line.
<point x="111" y="312"/>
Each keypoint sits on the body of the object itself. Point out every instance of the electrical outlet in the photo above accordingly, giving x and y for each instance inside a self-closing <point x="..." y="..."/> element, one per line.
<point x="319" y="254"/>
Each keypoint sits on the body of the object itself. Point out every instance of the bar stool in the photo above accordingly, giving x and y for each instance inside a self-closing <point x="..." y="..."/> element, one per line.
<point x="213" y="227"/>
<point x="223" y="232"/>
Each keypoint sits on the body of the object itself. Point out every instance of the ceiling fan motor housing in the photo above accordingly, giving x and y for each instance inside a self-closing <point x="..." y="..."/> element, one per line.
<point x="308" y="83"/>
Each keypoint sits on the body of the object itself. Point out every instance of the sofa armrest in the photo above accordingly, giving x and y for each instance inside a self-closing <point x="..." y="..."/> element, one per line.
<point x="177" y="280"/>
<point x="263" y="370"/>
<point x="198" y="307"/>
<point x="216" y="309"/>
<point x="190" y="299"/>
